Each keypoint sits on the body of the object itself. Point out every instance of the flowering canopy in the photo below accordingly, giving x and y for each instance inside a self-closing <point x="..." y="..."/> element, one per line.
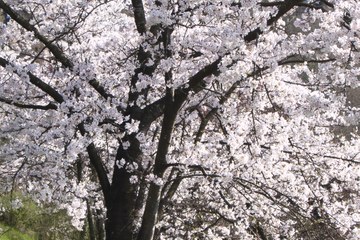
<point x="197" y="119"/>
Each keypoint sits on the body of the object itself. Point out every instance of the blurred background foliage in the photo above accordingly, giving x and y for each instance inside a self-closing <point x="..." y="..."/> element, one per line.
<point x="23" y="219"/>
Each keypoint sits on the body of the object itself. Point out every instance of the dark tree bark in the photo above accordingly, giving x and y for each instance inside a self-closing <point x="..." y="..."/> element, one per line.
<point x="90" y="222"/>
<point x="121" y="205"/>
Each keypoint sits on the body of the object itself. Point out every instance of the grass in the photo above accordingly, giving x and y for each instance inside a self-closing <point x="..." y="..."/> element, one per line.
<point x="9" y="233"/>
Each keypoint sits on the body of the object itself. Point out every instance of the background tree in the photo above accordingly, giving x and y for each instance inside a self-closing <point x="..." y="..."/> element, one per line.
<point x="21" y="218"/>
<point x="199" y="119"/>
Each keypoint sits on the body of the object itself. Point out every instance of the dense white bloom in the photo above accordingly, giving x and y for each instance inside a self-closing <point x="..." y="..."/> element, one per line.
<point x="241" y="116"/>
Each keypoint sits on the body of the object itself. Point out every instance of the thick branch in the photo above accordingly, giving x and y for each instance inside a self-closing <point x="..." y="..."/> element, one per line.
<point x="96" y="162"/>
<point x="53" y="48"/>
<point x="172" y="188"/>
<point x="173" y="104"/>
<point x="150" y="113"/>
<point x="284" y="8"/>
<point x="30" y="106"/>
<point x="93" y="153"/>
<point x="94" y="156"/>
<point x="293" y="60"/>
<point x="37" y="82"/>
<point x="196" y="82"/>
<point x="139" y="16"/>
<point x="100" y="89"/>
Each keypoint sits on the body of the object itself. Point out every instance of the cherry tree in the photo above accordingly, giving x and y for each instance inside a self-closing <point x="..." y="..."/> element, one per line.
<point x="185" y="119"/>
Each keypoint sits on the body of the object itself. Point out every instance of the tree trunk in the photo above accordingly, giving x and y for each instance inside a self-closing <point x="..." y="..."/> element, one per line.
<point x="153" y="200"/>
<point x="150" y="215"/>
<point x="99" y="223"/>
<point x="90" y="222"/>
<point x="119" y="224"/>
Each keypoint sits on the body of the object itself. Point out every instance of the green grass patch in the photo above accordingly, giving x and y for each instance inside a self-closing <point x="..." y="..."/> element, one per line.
<point x="9" y="233"/>
<point x="29" y="221"/>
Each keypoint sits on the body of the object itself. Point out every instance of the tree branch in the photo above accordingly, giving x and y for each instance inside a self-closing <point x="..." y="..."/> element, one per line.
<point x="30" y="106"/>
<point x="196" y="82"/>
<point x="172" y="106"/>
<point x="37" y="82"/>
<point x="139" y="15"/>
<point x="283" y="8"/>
<point x="286" y="61"/>
<point x="49" y="44"/>
<point x="96" y="161"/>
<point x="100" y="89"/>
<point x="213" y="111"/>
<point x="55" y="50"/>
